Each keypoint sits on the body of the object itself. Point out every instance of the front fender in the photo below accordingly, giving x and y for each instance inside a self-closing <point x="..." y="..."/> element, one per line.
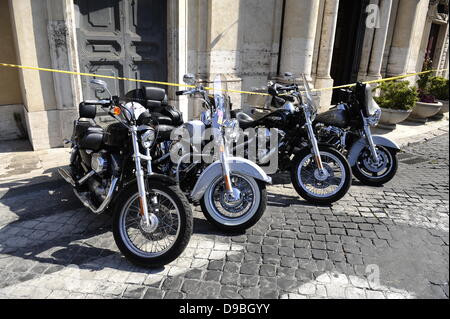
<point x="359" y="145"/>
<point x="237" y="165"/>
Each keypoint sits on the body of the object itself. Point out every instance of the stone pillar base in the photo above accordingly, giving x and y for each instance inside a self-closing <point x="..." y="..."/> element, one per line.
<point x="9" y="127"/>
<point x="48" y="129"/>
<point x="325" y="96"/>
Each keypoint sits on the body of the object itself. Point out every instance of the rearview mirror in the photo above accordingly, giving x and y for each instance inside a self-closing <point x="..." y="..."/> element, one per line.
<point x="101" y="86"/>
<point x="100" y="83"/>
<point x="189" y="79"/>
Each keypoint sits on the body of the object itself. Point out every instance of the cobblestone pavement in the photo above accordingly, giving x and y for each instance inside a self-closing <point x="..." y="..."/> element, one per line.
<point x="389" y="242"/>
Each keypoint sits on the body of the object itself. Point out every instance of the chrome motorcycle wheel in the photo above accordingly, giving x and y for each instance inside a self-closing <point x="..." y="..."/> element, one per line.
<point x="376" y="174"/>
<point x="167" y="235"/>
<point x="234" y="213"/>
<point x="315" y="187"/>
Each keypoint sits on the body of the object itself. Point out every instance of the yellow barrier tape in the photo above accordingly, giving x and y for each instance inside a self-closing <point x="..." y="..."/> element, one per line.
<point x="206" y="88"/>
<point x="117" y="78"/>
<point x="380" y="80"/>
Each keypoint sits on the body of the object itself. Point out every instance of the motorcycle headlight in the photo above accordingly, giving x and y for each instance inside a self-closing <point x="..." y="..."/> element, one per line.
<point x="374" y="119"/>
<point x="148" y="138"/>
<point x="232" y="130"/>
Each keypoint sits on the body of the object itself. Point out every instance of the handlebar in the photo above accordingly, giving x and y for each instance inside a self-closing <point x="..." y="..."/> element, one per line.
<point x="98" y="102"/>
<point x="276" y="88"/>
<point x="192" y="91"/>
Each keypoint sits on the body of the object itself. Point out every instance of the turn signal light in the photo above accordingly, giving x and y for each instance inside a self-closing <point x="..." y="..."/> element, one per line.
<point x="116" y="110"/>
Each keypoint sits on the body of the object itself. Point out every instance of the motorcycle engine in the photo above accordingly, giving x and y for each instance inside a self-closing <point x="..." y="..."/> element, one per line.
<point x="99" y="183"/>
<point x="329" y="134"/>
<point x="100" y="162"/>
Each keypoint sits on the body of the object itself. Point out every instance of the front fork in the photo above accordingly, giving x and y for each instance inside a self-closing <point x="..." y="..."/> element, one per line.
<point x="372" y="146"/>
<point x="150" y="219"/>
<point x="232" y="193"/>
<point x="225" y="168"/>
<point x="314" y="143"/>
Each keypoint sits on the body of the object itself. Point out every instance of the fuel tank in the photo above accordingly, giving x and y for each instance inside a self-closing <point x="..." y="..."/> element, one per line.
<point x="334" y="117"/>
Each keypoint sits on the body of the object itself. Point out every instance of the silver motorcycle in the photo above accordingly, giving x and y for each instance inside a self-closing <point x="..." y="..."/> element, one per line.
<point x="230" y="190"/>
<point x="347" y="127"/>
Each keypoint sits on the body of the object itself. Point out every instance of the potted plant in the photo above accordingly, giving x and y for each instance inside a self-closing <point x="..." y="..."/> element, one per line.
<point x="427" y="106"/>
<point x="440" y="89"/>
<point x="396" y="100"/>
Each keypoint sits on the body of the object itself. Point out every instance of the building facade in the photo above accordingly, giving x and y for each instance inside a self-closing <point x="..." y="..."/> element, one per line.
<point x="332" y="42"/>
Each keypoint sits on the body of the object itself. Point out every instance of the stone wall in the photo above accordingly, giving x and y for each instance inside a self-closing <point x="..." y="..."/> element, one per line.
<point x="239" y="38"/>
<point x="10" y="94"/>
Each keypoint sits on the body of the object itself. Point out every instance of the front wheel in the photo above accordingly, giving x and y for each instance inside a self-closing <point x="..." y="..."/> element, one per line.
<point x="376" y="174"/>
<point x="316" y="187"/>
<point x="167" y="236"/>
<point x="234" y="214"/>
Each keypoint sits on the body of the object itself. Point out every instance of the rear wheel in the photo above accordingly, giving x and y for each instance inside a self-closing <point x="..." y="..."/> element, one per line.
<point x="234" y="214"/>
<point x="316" y="187"/>
<point x="168" y="234"/>
<point x="376" y="174"/>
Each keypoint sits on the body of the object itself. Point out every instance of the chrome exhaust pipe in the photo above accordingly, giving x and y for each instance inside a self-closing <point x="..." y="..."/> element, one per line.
<point x="67" y="176"/>
<point x="69" y="179"/>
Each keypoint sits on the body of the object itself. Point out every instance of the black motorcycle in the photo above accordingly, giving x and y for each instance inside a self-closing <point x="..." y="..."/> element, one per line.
<point x="319" y="173"/>
<point x="347" y="127"/>
<point x="110" y="169"/>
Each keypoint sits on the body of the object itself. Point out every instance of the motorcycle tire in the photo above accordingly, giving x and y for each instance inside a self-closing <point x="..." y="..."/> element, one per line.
<point x="377" y="181"/>
<point x="301" y="188"/>
<point x="235" y="224"/>
<point x="184" y="229"/>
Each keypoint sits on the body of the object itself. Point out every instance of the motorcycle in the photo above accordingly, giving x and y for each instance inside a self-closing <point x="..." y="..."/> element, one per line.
<point x="231" y="191"/>
<point x="319" y="173"/>
<point x="152" y="219"/>
<point x="347" y="126"/>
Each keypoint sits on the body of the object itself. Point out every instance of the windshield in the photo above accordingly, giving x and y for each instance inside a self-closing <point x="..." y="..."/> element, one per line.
<point x="221" y="113"/>
<point x="372" y="106"/>
<point x="308" y="96"/>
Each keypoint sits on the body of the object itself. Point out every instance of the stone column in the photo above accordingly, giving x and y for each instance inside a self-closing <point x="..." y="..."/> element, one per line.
<point x="379" y="42"/>
<point x="29" y="20"/>
<point x="446" y="72"/>
<point x="299" y="32"/>
<point x="415" y="62"/>
<point x="403" y="36"/>
<point x="367" y="46"/>
<point x="323" y="78"/>
<point x="225" y="43"/>
<point x="178" y="51"/>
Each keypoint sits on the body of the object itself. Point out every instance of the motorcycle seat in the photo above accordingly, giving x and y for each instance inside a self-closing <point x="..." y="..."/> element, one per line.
<point x="156" y="101"/>
<point x="83" y="125"/>
<point x="161" y="119"/>
<point x="333" y="117"/>
<point x="164" y="131"/>
<point x="92" y="139"/>
<point x="274" y="119"/>
<point x="245" y="120"/>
